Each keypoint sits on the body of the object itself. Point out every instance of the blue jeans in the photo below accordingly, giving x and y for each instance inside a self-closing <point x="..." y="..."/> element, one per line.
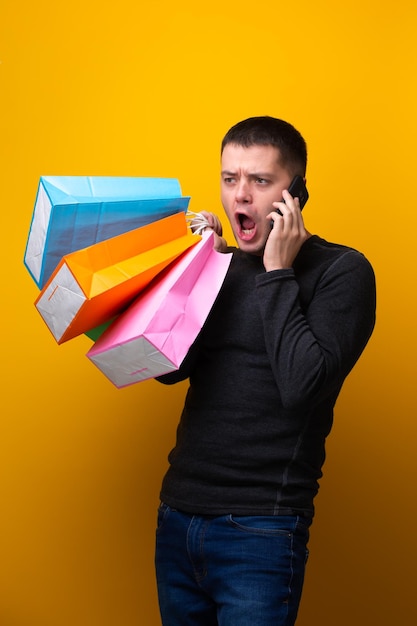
<point x="229" y="570"/>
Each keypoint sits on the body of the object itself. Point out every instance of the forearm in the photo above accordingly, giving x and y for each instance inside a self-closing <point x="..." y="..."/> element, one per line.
<point x="312" y="350"/>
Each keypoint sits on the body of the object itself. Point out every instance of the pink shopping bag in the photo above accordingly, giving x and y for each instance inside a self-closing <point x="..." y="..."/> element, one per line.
<point x="153" y="336"/>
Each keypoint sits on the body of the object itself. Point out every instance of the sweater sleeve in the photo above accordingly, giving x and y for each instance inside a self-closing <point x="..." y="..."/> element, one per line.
<point x="312" y="351"/>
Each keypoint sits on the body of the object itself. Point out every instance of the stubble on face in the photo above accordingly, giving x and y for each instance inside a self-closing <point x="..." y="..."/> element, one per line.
<point x="251" y="180"/>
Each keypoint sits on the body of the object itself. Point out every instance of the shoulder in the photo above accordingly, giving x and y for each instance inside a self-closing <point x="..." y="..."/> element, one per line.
<point x="339" y="271"/>
<point x="321" y="255"/>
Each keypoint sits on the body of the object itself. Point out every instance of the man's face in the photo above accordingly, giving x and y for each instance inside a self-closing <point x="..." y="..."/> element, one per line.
<point x="251" y="180"/>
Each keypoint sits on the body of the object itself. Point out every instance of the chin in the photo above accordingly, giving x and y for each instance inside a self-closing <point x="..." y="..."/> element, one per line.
<point x="250" y="247"/>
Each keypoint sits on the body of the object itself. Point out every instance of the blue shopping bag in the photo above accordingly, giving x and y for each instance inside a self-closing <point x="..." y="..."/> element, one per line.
<point x="73" y="212"/>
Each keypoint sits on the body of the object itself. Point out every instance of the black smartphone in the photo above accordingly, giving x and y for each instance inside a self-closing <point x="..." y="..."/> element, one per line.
<point x="298" y="190"/>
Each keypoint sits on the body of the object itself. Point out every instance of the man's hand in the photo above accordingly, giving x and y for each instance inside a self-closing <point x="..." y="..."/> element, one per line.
<point x="214" y="224"/>
<point x="287" y="234"/>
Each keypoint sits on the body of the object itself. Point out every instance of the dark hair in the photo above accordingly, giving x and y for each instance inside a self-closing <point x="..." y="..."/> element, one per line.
<point x="271" y="131"/>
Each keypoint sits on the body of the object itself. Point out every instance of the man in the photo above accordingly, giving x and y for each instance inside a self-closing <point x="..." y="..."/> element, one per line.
<point x="292" y="318"/>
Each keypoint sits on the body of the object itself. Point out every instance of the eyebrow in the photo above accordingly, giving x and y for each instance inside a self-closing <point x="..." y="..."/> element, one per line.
<point x="250" y="175"/>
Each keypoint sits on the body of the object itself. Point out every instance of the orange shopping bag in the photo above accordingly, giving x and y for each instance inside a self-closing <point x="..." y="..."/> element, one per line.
<point x="92" y="285"/>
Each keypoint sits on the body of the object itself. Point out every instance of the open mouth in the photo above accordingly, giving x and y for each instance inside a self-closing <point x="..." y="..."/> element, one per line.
<point x="246" y="224"/>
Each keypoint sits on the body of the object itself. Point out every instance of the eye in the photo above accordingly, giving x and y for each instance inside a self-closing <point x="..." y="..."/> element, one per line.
<point x="262" y="181"/>
<point x="229" y="180"/>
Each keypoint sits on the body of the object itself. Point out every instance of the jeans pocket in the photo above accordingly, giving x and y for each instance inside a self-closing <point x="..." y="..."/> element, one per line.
<point x="163" y="512"/>
<point x="283" y="525"/>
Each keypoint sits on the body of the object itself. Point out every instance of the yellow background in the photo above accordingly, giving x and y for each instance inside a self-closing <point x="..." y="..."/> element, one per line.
<point x="136" y="89"/>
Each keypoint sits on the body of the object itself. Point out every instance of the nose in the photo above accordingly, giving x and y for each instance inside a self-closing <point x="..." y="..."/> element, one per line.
<point x="243" y="193"/>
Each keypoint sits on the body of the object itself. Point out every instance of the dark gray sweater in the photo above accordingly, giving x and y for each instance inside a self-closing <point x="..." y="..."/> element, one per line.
<point x="265" y="372"/>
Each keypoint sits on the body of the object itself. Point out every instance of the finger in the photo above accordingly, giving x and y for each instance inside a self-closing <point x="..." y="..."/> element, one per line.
<point x="279" y="207"/>
<point x="276" y="219"/>
<point x="214" y="222"/>
<point x="290" y="201"/>
<point x="217" y="226"/>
